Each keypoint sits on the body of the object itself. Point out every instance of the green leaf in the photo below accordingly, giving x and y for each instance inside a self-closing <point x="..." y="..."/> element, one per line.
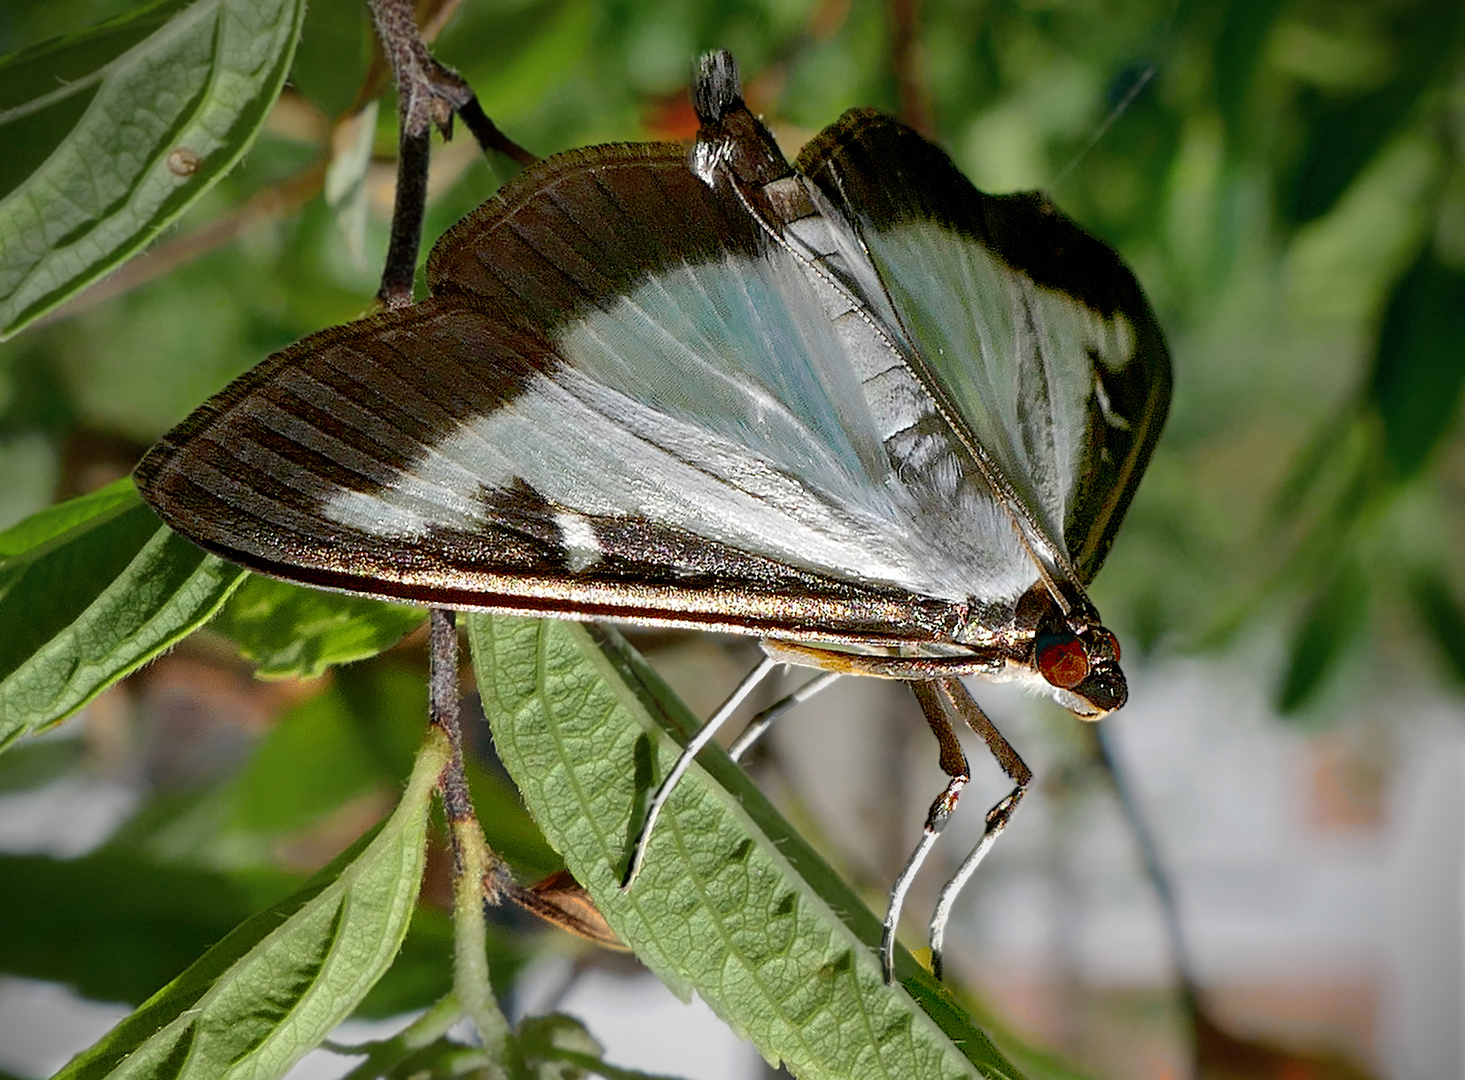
<point x="276" y="986"/>
<point x="558" y="1047"/>
<point x="116" y="925"/>
<point x="731" y="903"/>
<point x="37" y="763"/>
<point x="507" y="826"/>
<point x="1335" y="615"/>
<point x="1346" y="133"/>
<point x="1443" y="616"/>
<point x="1418" y="374"/>
<point x="64" y="516"/>
<point x="310" y="763"/>
<point x="112" y="132"/>
<point x="335" y="48"/>
<point x="291" y="631"/>
<point x="421" y="974"/>
<point x="86" y="606"/>
<point x="1239" y="48"/>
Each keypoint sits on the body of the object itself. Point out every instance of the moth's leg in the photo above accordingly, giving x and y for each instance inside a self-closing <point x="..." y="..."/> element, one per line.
<point x="961" y="702"/>
<point x="428" y="95"/>
<point x="692" y="749"/>
<point x="954" y="764"/>
<point x="764" y="720"/>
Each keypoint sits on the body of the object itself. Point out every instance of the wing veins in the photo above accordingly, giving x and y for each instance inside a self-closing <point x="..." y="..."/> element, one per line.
<point x="1026" y="528"/>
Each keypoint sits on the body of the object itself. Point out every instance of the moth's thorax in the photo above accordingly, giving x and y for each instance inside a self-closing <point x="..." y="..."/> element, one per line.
<point x="734" y="147"/>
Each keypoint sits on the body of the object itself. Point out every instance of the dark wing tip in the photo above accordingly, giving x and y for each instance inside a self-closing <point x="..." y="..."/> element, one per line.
<point x="716" y="90"/>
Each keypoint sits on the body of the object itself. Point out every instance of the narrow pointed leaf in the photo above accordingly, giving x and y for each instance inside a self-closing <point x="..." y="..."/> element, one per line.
<point x="1337" y="612"/>
<point x="82" y="608"/>
<point x="1440" y="612"/>
<point x="1239" y="48"/>
<point x="1346" y="133"/>
<point x="731" y="902"/>
<point x="115" y="925"/>
<point x="1418" y="375"/>
<point x="276" y="987"/>
<point x="64" y="516"/>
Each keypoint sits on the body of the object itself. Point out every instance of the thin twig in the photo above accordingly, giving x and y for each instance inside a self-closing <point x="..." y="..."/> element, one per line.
<point x="428" y="95"/>
<point x="1155" y="870"/>
<point x="475" y="866"/>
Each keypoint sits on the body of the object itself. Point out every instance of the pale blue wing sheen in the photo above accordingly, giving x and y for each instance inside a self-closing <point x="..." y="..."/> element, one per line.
<point x="1014" y="356"/>
<point x="1031" y="335"/>
<point x="722" y="399"/>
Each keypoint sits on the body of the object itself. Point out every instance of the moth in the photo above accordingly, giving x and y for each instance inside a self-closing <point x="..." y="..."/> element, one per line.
<point x="854" y="407"/>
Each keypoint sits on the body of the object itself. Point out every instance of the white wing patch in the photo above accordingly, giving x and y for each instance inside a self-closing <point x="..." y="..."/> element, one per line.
<point x="378" y="514"/>
<point x="577" y="537"/>
<point x="1016" y="356"/>
<point x="746" y="401"/>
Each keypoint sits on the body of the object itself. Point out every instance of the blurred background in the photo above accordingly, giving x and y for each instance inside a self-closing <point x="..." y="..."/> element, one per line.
<point x="1286" y="178"/>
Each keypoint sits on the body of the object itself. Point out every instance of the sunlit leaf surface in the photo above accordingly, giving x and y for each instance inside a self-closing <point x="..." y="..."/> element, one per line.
<point x="277" y="985"/>
<point x="113" y="132"/>
<point x="731" y="903"/>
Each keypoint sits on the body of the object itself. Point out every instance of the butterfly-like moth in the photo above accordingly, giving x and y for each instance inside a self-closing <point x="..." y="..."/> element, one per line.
<point x="855" y="407"/>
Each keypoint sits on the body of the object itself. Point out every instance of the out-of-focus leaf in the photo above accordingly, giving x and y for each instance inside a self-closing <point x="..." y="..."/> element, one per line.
<point x="532" y="54"/>
<point x="294" y="632"/>
<point x="1240" y="44"/>
<point x="34" y="764"/>
<point x="352" y="144"/>
<point x="507" y="826"/>
<point x="1344" y="135"/>
<point x="1443" y="617"/>
<point x="85" y="607"/>
<point x="335" y="47"/>
<point x="1419" y="363"/>
<point x="112" y="132"/>
<point x="558" y="1047"/>
<point x="310" y="763"/>
<point x="115" y="925"/>
<point x="731" y="902"/>
<point x="1336" y="614"/>
<point x="1331" y="457"/>
<point x="276" y="986"/>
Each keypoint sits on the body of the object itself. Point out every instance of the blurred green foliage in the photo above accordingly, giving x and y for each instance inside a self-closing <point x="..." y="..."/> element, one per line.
<point x="1287" y="178"/>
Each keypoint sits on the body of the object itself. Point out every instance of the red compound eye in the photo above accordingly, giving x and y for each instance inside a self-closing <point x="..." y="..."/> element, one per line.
<point x="1113" y="643"/>
<point x="1062" y="660"/>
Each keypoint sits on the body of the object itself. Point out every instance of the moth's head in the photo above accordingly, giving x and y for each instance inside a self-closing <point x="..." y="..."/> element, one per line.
<point x="1076" y="655"/>
<point x="1082" y="669"/>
